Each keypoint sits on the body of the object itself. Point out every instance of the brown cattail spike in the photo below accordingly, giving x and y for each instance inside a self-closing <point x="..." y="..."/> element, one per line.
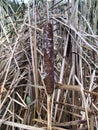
<point x="49" y="58"/>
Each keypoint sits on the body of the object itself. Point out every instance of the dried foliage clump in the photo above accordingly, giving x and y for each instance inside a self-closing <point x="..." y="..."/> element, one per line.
<point x="23" y="60"/>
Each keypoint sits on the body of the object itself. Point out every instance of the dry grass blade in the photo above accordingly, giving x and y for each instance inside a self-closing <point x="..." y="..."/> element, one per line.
<point x="21" y="126"/>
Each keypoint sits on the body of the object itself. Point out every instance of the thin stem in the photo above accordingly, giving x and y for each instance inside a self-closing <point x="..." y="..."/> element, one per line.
<point x="49" y="112"/>
<point x="47" y="10"/>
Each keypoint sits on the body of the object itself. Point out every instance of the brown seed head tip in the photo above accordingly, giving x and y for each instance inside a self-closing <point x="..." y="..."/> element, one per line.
<point x="49" y="58"/>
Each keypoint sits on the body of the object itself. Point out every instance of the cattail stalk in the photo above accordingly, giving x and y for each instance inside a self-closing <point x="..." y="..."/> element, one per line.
<point x="49" y="67"/>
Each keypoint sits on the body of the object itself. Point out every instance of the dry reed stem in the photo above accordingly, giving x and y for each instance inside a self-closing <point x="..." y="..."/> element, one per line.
<point x="21" y="126"/>
<point x="49" y="125"/>
<point x="74" y="88"/>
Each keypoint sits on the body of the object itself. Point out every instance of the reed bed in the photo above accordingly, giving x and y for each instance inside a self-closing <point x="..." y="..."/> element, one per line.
<point x="49" y="75"/>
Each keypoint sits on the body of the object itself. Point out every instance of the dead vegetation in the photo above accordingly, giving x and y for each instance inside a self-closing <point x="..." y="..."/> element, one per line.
<point x="23" y="95"/>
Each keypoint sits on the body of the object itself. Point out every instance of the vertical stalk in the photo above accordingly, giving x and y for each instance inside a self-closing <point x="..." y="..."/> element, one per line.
<point x="62" y="74"/>
<point x="49" y="67"/>
<point x="92" y="122"/>
<point x="35" y="53"/>
<point x="49" y="112"/>
<point x="47" y="10"/>
<point x="32" y="49"/>
<point x="49" y="64"/>
<point x="13" y="109"/>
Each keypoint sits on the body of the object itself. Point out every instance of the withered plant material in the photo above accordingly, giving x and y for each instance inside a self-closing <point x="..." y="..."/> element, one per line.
<point x="48" y="58"/>
<point x="70" y="123"/>
<point x="75" y="88"/>
<point x="75" y="61"/>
